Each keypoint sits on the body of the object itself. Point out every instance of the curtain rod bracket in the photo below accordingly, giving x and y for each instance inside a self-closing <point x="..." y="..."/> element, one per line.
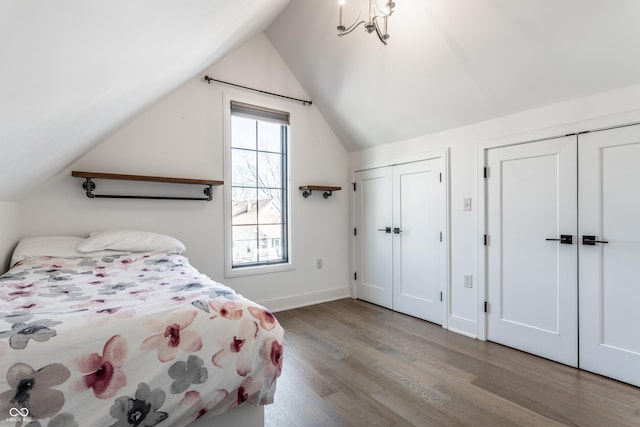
<point x="303" y="101"/>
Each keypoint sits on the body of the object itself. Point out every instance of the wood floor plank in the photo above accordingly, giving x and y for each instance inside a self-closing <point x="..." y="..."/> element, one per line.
<point x="351" y="363"/>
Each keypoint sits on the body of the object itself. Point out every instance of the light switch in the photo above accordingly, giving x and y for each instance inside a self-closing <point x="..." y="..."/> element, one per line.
<point x="468" y="281"/>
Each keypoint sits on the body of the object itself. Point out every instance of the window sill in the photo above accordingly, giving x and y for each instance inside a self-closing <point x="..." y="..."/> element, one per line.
<point x="258" y="269"/>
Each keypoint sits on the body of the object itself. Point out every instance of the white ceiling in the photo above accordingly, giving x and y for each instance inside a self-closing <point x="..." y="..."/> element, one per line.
<point x="74" y="70"/>
<point x="451" y="63"/>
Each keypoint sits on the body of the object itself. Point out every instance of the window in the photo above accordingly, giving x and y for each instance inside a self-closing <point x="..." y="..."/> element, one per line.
<point x="259" y="191"/>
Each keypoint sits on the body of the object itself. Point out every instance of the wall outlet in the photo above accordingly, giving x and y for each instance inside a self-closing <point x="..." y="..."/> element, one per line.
<point x="319" y="264"/>
<point x="468" y="281"/>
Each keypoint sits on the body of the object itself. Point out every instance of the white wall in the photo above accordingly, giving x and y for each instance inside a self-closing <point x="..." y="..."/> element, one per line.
<point x="9" y="232"/>
<point x="466" y="147"/>
<point x="182" y="136"/>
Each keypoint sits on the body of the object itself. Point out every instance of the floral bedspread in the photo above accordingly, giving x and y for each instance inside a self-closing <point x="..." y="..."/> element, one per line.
<point x="129" y="340"/>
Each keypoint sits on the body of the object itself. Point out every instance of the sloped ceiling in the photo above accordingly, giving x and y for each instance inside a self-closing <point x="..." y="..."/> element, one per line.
<point x="451" y="63"/>
<point x="73" y="70"/>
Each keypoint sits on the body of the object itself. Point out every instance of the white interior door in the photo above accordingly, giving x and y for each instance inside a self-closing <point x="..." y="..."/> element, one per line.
<point x="609" y="286"/>
<point x="418" y="226"/>
<point x="373" y="217"/>
<point x="532" y="283"/>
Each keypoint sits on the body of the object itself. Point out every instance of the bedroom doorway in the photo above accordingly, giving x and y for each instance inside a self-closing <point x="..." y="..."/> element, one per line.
<point x="574" y="299"/>
<point x="400" y="229"/>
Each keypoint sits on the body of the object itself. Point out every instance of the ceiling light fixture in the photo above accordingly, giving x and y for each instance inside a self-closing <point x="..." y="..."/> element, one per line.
<point x="375" y="14"/>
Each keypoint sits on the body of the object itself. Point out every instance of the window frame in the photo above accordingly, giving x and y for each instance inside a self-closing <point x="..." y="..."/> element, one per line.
<point x="230" y="270"/>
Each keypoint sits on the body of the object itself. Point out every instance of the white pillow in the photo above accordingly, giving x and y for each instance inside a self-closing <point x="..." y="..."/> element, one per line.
<point x="131" y="241"/>
<point x="55" y="246"/>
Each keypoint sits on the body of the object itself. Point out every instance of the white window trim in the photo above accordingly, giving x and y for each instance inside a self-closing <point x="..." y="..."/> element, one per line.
<point x="229" y="271"/>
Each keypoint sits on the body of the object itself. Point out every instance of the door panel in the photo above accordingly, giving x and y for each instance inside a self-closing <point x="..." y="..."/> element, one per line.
<point x="531" y="197"/>
<point x="373" y="211"/>
<point x="418" y="256"/>
<point x="400" y="258"/>
<point x="609" y="287"/>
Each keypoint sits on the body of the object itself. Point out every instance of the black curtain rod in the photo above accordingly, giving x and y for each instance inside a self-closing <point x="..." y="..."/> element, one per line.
<point x="211" y="79"/>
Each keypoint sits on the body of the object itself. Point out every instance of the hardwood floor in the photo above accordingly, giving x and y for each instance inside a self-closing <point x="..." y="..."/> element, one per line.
<point x="350" y="363"/>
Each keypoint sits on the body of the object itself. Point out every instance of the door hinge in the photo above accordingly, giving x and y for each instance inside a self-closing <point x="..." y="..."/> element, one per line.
<point x="440" y="176"/>
<point x="440" y="296"/>
<point x="486" y="307"/>
<point x="354" y="186"/>
<point x="441" y="236"/>
<point x="355" y="231"/>
<point x="486" y="240"/>
<point x="355" y="276"/>
<point x="486" y="172"/>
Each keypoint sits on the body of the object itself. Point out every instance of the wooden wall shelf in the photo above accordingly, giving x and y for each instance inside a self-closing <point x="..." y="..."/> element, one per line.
<point x="327" y="190"/>
<point x="89" y="186"/>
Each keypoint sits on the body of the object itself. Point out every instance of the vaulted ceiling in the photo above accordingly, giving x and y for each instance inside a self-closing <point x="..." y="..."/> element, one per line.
<point x="73" y="71"/>
<point x="451" y="63"/>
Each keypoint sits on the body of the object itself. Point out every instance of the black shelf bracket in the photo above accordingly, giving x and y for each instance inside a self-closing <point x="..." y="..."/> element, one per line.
<point x="307" y="193"/>
<point x="89" y="187"/>
<point x="307" y="190"/>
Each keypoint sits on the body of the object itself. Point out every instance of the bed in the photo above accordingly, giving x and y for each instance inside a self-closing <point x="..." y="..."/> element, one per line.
<point x="118" y="329"/>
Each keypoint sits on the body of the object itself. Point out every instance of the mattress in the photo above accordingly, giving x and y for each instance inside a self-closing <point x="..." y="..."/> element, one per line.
<point x="129" y="339"/>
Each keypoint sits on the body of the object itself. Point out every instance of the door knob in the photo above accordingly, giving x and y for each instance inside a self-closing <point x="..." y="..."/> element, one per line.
<point x="591" y="240"/>
<point x="397" y="230"/>
<point x="386" y="229"/>
<point x="565" y="239"/>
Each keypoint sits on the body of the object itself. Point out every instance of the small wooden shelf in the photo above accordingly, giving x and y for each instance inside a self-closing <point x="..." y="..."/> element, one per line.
<point x="89" y="185"/>
<point x="327" y="190"/>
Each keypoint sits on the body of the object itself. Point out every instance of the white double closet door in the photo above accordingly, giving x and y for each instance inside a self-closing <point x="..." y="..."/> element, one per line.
<point x="399" y="225"/>
<point x="574" y="299"/>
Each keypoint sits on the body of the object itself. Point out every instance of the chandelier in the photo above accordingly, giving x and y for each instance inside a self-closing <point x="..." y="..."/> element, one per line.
<point x="372" y="23"/>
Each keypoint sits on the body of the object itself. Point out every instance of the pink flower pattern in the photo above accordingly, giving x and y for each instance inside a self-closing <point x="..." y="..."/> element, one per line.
<point x="267" y="320"/>
<point x="231" y="310"/>
<point x="137" y="334"/>
<point x="172" y="336"/>
<point x="272" y="351"/>
<point x="239" y="348"/>
<point x="103" y="373"/>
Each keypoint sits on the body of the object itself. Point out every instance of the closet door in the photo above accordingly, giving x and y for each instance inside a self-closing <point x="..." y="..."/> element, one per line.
<point x="610" y="257"/>
<point x="374" y="237"/>
<point x="531" y="252"/>
<point x="400" y="216"/>
<point x="418" y="227"/>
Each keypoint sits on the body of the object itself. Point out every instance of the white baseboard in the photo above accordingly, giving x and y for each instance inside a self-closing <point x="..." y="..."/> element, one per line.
<point x="303" y="300"/>
<point x="463" y="326"/>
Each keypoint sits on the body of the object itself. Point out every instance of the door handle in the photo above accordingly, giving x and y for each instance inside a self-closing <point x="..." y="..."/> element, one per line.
<point x="386" y="229"/>
<point x="591" y="240"/>
<point x="397" y="230"/>
<point x="565" y="239"/>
